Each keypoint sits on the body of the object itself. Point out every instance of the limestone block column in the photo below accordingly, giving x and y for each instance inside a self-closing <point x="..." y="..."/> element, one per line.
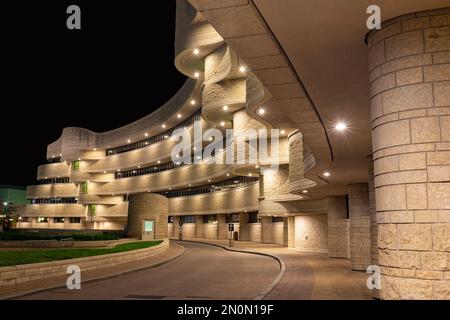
<point x="176" y="226"/>
<point x="244" y="232"/>
<point x="358" y="203"/>
<point x="266" y="230"/>
<point x="373" y="215"/>
<point x="222" y="227"/>
<point x="338" y="228"/>
<point x="199" y="232"/>
<point x="409" y="61"/>
<point x="147" y="206"/>
<point x="289" y="232"/>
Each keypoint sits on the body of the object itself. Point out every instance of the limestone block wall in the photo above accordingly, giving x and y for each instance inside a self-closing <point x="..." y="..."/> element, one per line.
<point x="189" y="230"/>
<point x="244" y="232"/>
<point x="52" y="190"/>
<point x="373" y="215"/>
<point x="210" y="230"/>
<point x="54" y="210"/>
<point x="338" y="236"/>
<point x="147" y="206"/>
<point x="222" y="227"/>
<point x="409" y="61"/>
<point x="360" y="239"/>
<point x="254" y="232"/>
<point x="199" y="232"/>
<point x="278" y="233"/>
<point x="311" y="233"/>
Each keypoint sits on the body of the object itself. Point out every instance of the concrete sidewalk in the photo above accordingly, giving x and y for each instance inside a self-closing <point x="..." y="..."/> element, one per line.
<point x="307" y="276"/>
<point x="8" y="292"/>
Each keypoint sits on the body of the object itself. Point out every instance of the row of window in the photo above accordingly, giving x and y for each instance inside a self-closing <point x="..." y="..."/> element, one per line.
<point x="160" y="137"/>
<point x="53" y="200"/>
<point x="55" y="220"/>
<point x="53" y="180"/>
<point x="54" y="159"/>
<point x="253" y="217"/>
<point x="157" y="168"/>
<point x="217" y="187"/>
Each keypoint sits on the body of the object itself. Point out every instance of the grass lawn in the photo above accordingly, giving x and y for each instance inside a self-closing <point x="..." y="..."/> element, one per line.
<point x="12" y="258"/>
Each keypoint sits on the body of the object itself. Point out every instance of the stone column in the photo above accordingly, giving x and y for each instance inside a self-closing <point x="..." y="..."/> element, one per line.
<point x="358" y="204"/>
<point x="149" y="206"/>
<point x="199" y="226"/>
<point x="373" y="216"/>
<point x="266" y="230"/>
<point x="176" y="226"/>
<point x="338" y="228"/>
<point x="410" y="111"/>
<point x="289" y="232"/>
<point x="222" y="227"/>
<point x="244" y="234"/>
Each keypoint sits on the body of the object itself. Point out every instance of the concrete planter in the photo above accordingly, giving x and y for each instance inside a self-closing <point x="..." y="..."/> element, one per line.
<point x="29" y="272"/>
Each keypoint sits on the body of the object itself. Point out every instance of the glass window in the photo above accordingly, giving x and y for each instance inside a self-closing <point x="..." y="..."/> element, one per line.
<point x="188" y="219"/>
<point x="84" y="187"/>
<point x="75" y="220"/>
<point x="76" y="165"/>
<point x="277" y="219"/>
<point x="58" y="220"/>
<point x="170" y="220"/>
<point x="42" y="220"/>
<point x="232" y="218"/>
<point x="253" y="217"/>
<point x="210" y="218"/>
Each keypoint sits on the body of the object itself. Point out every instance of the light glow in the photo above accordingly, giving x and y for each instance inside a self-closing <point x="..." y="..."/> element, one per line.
<point x="326" y="174"/>
<point x="196" y="51"/>
<point x="261" y="111"/>
<point x="341" y="126"/>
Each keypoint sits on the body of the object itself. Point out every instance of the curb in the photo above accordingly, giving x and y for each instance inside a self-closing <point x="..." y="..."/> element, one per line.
<point x="99" y="278"/>
<point x="280" y="261"/>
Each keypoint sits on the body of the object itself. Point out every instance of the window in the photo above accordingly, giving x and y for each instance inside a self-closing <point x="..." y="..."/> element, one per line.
<point x="84" y="187"/>
<point x="160" y="137"/>
<point x="253" y="217"/>
<point x="232" y="218"/>
<point x="210" y="218"/>
<point x="277" y="219"/>
<point x="91" y="209"/>
<point x="58" y="220"/>
<point x="75" y="220"/>
<point x="188" y="219"/>
<point x="170" y="219"/>
<point x="53" y="200"/>
<point x="76" y="165"/>
<point x="53" y="180"/>
<point x="225" y="185"/>
<point x="42" y="219"/>
<point x="25" y="219"/>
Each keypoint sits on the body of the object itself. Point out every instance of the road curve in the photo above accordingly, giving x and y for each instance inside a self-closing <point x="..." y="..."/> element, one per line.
<point x="202" y="272"/>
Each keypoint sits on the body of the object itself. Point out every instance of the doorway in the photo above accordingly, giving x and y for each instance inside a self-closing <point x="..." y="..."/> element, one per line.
<point x="148" y="230"/>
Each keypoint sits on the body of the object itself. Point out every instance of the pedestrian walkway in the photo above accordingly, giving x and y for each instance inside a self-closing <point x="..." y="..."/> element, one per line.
<point x="92" y="275"/>
<point x="308" y="276"/>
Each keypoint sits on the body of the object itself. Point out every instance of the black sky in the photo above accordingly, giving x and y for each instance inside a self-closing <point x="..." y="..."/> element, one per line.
<point x="116" y="69"/>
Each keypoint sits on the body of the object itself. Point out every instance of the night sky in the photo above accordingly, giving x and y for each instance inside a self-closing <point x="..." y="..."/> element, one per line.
<point x="116" y="69"/>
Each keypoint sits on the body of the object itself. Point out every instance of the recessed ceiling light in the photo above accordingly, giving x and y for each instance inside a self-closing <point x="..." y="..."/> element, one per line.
<point x="163" y="126"/>
<point x="128" y="140"/>
<point x="170" y="188"/>
<point x="196" y="75"/>
<point x="222" y="124"/>
<point x="242" y="69"/>
<point x="95" y="149"/>
<point x="79" y="159"/>
<point x="193" y="102"/>
<point x="209" y="180"/>
<point x="257" y="167"/>
<point x="179" y="115"/>
<point x="341" y="126"/>
<point x="194" y="148"/>
<point x="146" y="134"/>
<point x="159" y="161"/>
<point x="282" y="132"/>
<point x="326" y="174"/>
<point x="228" y="174"/>
<point x="166" y="136"/>
<point x="190" y="185"/>
<point x="225" y="108"/>
<point x="198" y="157"/>
<point x="118" y="170"/>
<point x="196" y="51"/>
<point x="139" y="167"/>
<point x="261" y="111"/>
<point x="305" y="191"/>
<point x="249" y="174"/>
<point x="134" y="171"/>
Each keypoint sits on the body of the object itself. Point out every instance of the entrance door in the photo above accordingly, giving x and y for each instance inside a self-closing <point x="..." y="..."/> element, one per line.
<point x="148" y="230"/>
